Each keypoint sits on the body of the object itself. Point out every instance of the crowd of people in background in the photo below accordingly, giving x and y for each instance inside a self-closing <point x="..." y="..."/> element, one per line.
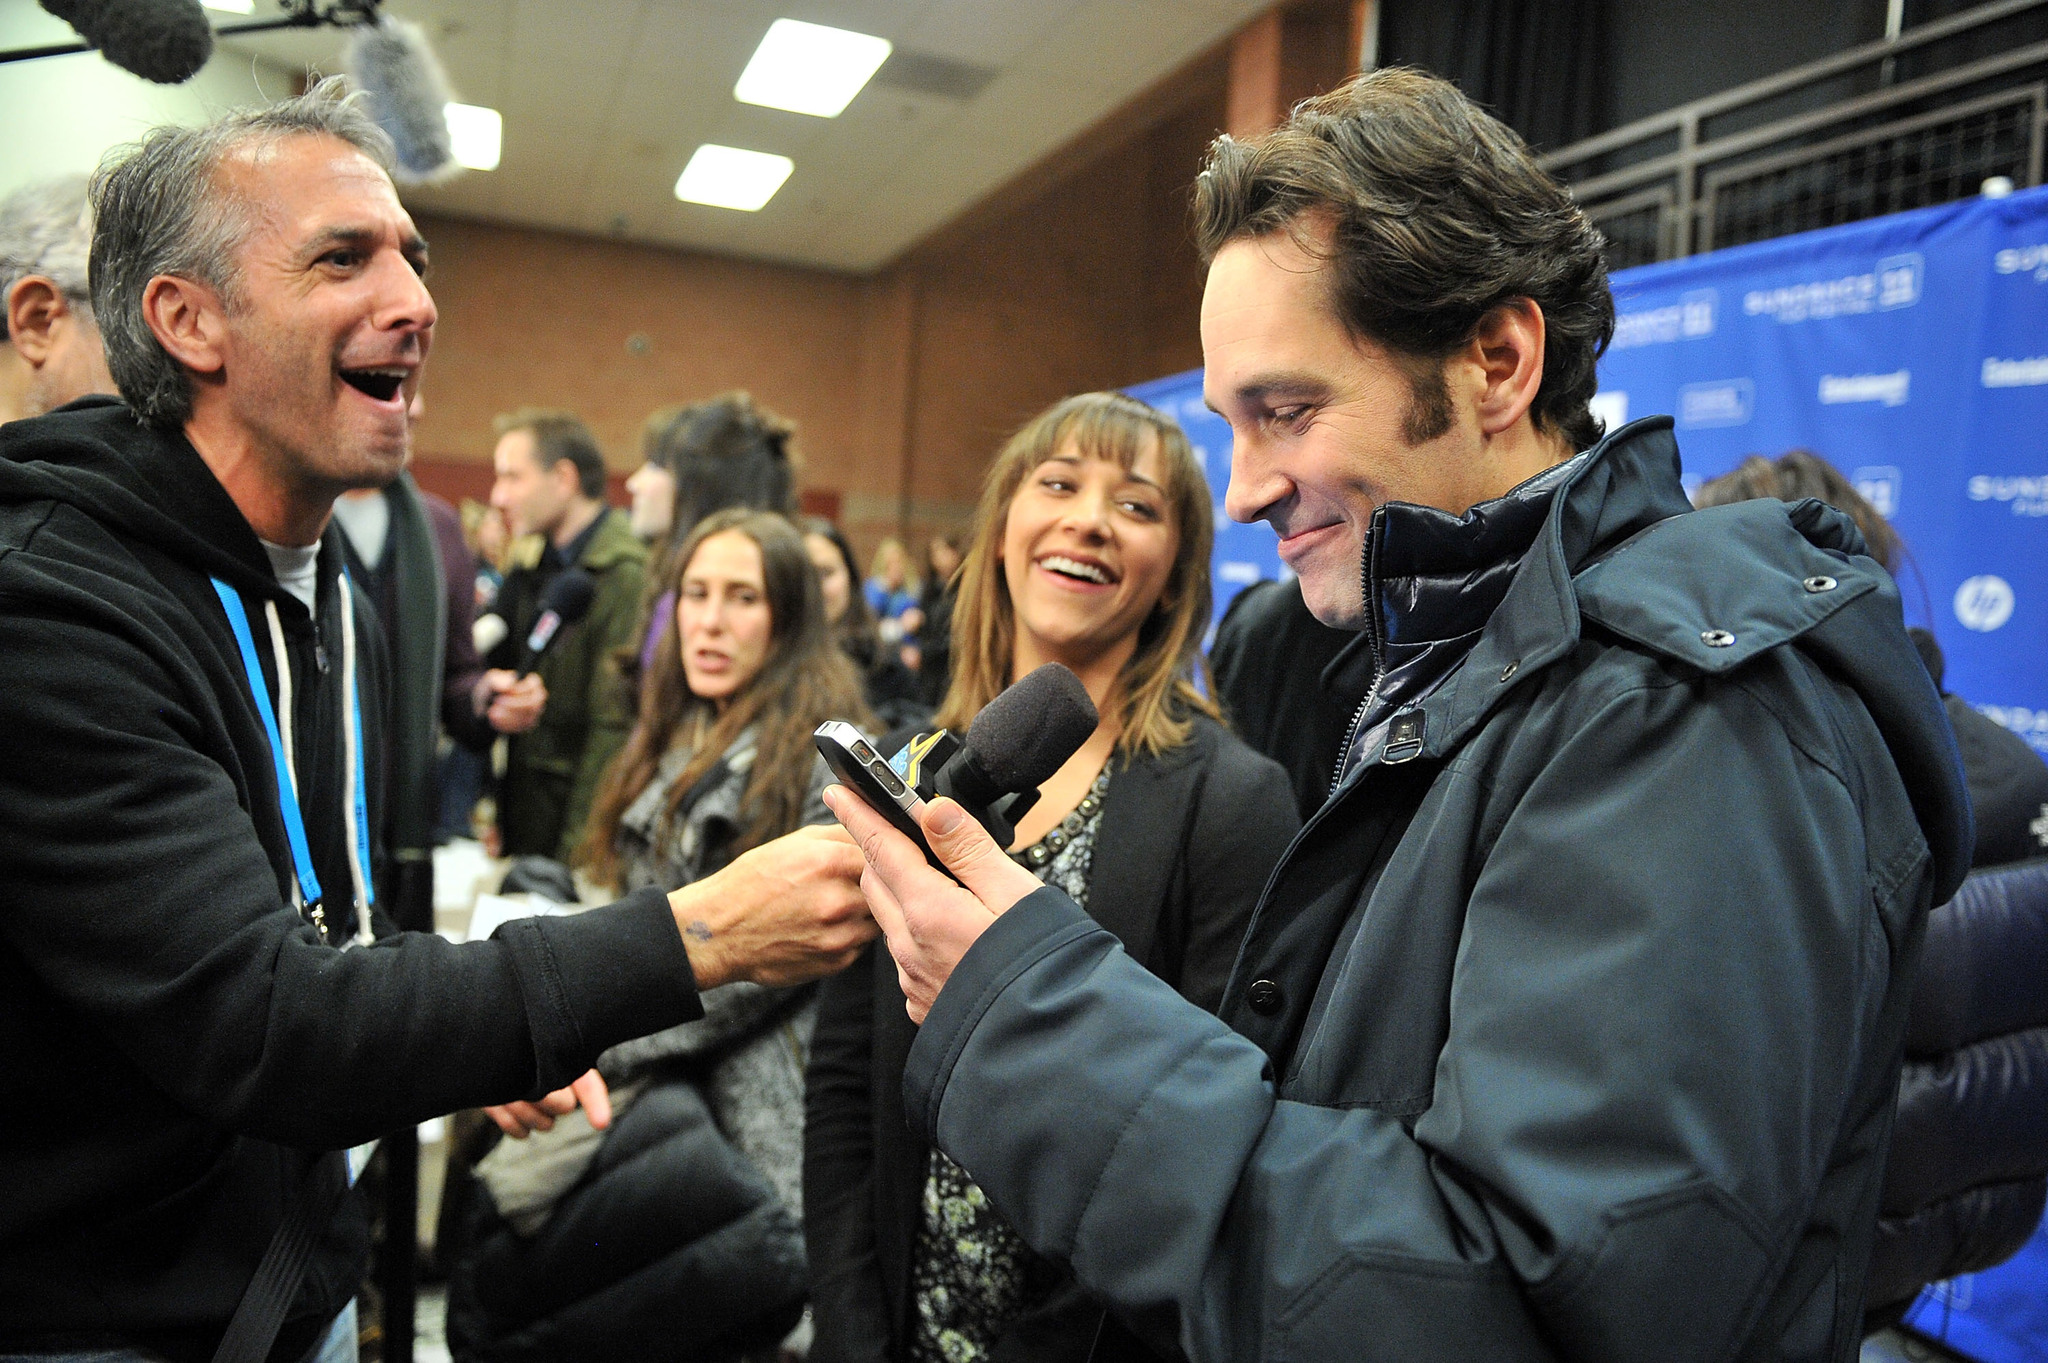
<point x="546" y="514"/>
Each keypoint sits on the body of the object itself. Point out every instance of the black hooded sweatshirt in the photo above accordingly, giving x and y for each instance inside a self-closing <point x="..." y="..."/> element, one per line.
<point x="179" y="1037"/>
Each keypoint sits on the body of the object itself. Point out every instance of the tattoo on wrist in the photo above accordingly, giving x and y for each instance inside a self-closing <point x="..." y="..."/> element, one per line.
<point x="697" y="930"/>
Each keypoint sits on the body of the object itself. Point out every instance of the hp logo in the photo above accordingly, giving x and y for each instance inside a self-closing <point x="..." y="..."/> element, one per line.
<point x="1984" y="603"/>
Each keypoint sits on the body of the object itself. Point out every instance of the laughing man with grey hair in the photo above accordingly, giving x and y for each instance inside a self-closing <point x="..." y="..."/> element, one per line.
<point x="52" y="352"/>
<point x="192" y="695"/>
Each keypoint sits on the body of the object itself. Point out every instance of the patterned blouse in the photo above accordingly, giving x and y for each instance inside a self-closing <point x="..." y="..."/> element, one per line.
<point x="971" y="1275"/>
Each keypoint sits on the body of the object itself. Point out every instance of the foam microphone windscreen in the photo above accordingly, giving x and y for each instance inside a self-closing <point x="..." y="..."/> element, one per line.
<point x="1028" y="732"/>
<point x="165" y="41"/>
<point x="564" y="601"/>
<point x="569" y="595"/>
<point x="390" y="62"/>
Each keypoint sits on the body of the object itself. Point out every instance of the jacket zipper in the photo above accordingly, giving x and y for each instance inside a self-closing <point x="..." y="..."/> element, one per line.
<point x="1379" y="671"/>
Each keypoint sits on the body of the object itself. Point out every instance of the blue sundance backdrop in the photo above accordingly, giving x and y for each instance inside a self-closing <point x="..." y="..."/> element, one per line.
<point x="1912" y="351"/>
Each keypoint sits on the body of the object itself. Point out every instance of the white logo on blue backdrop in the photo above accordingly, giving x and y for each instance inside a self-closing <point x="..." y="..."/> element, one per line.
<point x="2028" y="496"/>
<point x="1718" y="402"/>
<point x="2024" y="260"/>
<point x="1898" y="281"/>
<point x="2028" y="723"/>
<point x="2030" y="372"/>
<point x="1689" y="319"/>
<point x="1879" y="485"/>
<point x="1895" y="283"/>
<point x="1984" y="603"/>
<point x="1889" y="389"/>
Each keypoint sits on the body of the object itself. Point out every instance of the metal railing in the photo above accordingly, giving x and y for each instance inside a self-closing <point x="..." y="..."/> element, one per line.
<point x="1921" y="118"/>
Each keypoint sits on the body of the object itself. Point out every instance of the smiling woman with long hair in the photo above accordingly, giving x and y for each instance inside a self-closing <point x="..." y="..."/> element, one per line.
<point x="1091" y="549"/>
<point x="674" y="1233"/>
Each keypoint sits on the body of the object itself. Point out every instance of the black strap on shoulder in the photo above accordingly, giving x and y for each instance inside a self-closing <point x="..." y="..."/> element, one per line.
<point x="269" y="1294"/>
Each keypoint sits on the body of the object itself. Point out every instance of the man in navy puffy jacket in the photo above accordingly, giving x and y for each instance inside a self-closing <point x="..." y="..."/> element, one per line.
<point x="1570" y="1024"/>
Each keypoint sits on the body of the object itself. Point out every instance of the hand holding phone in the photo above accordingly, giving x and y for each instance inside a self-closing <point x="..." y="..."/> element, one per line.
<point x="868" y="774"/>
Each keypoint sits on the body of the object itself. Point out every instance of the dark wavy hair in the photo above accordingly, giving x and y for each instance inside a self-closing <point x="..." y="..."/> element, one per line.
<point x="857" y="630"/>
<point x="804" y="681"/>
<point x="1796" y="475"/>
<point x="1431" y="213"/>
<point x="724" y="451"/>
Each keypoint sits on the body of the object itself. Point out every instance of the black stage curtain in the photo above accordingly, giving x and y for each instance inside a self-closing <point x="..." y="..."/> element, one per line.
<point x="1536" y="64"/>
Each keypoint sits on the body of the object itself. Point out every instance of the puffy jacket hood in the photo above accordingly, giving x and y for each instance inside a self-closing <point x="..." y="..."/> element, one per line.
<point x="94" y="455"/>
<point x="1623" y="548"/>
<point x="1769" y="573"/>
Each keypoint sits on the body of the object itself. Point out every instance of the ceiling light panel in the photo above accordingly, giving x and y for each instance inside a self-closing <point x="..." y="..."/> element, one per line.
<point x="232" y="6"/>
<point x="475" y="135"/>
<point x="728" y="177"/>
<point x="809" y="68"/>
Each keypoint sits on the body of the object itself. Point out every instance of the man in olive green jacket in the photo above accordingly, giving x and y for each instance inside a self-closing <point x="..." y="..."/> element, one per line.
<point x="551" y="482"/>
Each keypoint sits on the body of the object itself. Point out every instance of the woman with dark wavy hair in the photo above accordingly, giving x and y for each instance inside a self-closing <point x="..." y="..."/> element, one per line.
<point x="674" y="1232"/>
<point x="1091" y="549"/>
<point x="752" y="667"/>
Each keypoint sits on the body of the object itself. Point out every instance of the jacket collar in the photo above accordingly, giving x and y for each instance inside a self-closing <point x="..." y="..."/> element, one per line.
<point x="1432" y="577"/>
<point x="610" y="541"/>
<point x="150" y="485"/>
<point x="1432" y="582"/>
<point x="1710" y="590"/>
<point x="1614" y="491"/>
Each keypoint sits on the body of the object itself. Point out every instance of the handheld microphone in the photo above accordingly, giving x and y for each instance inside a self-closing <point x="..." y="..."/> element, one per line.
<point x="566" y="600"/>
<point x="165" y="41"/>
<point x="390" y="62"/>
<point x="1013" y="746"/>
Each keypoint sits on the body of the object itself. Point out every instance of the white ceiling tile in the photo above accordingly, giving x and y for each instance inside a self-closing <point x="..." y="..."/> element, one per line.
<point x="884" y="18"/>
<point x="583" y="32"/>
<point x="318" y="51"/>
<point x="604" y="100"/>
<point x="469" y="195"/>
<point x="1123" y="46"/>
<point x="988" y="34"/>
<point x="25" y="25"/>
<point x="705" y="52"/>
<point x="468" y="20"/>
<point x="880" y="118"/>
<point x="477" y="77"/>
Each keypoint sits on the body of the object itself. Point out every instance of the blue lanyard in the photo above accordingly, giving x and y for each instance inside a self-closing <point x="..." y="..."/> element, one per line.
<point x="239" y="621"/>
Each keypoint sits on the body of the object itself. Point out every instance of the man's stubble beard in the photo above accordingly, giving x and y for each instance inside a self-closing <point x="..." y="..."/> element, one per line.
<point x="351" y="458"/>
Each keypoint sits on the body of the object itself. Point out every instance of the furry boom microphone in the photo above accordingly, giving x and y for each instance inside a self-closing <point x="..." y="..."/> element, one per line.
<point x="165" y="41"/>
<point x="390" y="62"/>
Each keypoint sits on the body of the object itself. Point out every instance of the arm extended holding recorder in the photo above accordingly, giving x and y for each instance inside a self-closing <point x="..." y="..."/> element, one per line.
<point x="785" y="912"/>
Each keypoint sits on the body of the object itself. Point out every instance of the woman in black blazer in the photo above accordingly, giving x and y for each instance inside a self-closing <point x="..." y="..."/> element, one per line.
<point x="1091" y="549"/>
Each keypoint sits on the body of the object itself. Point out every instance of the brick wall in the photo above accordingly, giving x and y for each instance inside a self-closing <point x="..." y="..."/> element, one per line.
<point x="904" y="383"/>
